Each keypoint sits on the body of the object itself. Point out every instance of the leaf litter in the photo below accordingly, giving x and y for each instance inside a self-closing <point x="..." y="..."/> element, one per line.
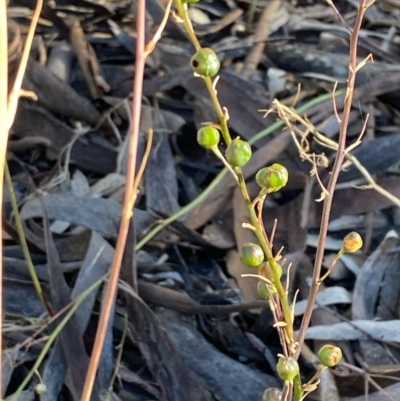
<point x="190" y="314"/>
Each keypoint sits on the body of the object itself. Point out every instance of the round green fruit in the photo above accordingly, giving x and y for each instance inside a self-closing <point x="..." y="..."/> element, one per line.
<point x="265" y="290"/>
<point x="208" y="137"/>
<point x="272" y="394"/>
<point x="266" y="270"/>
<point x="329" y="355"/>
<point x="238" y="153"/>
<point x="205" y="62"/>
<point x="287" y="368"/>
<point x="272" y="178"/>
<point x="252" y="255"/>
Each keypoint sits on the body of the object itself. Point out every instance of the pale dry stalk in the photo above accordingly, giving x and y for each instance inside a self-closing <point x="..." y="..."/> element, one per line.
<point x="131" y="187"/>
<point x="127" y="208"/>
<point x="3" y="136"/>
<point x="8" y="108"/>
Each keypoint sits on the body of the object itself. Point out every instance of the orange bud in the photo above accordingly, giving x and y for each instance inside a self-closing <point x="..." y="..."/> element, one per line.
<point x="352" y="242"/>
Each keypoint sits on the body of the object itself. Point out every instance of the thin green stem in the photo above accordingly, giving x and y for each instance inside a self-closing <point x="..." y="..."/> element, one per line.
<point x="22" y="239"/>
<point x="183" y="14"/>
<point x="78" y="300"/>
<point x="329" y="271"/>
<point x="187" y="23"/>
<point x="218" y="109"/>
<point x="298" y="390"/>
<point x="108" y="396"/>
<point x="259" y="231"/>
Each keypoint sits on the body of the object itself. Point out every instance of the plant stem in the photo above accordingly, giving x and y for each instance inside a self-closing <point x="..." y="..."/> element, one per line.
<point x="218" y="109"/>
<point x="79" y="299"/>
<point x="334" y="175"/>
<point x="182" y="11"/>
<point x="187" y="23"/>
<point x="127" y="208"/>
<point x="4" y="129"/>
<point x="24" y="245"/>
<point x="258" y="229"/>
<point x="8" y="108"/>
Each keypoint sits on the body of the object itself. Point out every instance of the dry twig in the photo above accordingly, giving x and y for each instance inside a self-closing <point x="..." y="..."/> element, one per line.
<point x="127" y="209"/>
<point x="341" y="153"/>
<point x="132" y="184"/>
<point x="3" y="130"/>
<point x="9" y="103"/>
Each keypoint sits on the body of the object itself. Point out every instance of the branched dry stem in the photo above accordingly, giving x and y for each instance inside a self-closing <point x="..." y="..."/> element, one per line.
<point x="340" y="155"/>
<point x="290" y="116"/>
<point x="368" y="380"/>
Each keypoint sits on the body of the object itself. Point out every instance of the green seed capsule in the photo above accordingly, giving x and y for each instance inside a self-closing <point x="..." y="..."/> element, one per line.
<point x="272" y="394"/>
<point x="272" y="178"/>
<point x="265" y="270"/>
<point x="252" y="255"/>
<point x="287" y="368"/>
<point x="352" y="242"/>
<point x="238" y="153"/>
<point x="205" y="62"/>
<point x="208" y="137"/>
<point x="265" y="290"/>
<point x="329" y="355"/>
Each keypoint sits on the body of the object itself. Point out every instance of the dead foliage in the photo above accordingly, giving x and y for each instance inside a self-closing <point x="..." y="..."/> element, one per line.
<point x="189" y="325"/>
